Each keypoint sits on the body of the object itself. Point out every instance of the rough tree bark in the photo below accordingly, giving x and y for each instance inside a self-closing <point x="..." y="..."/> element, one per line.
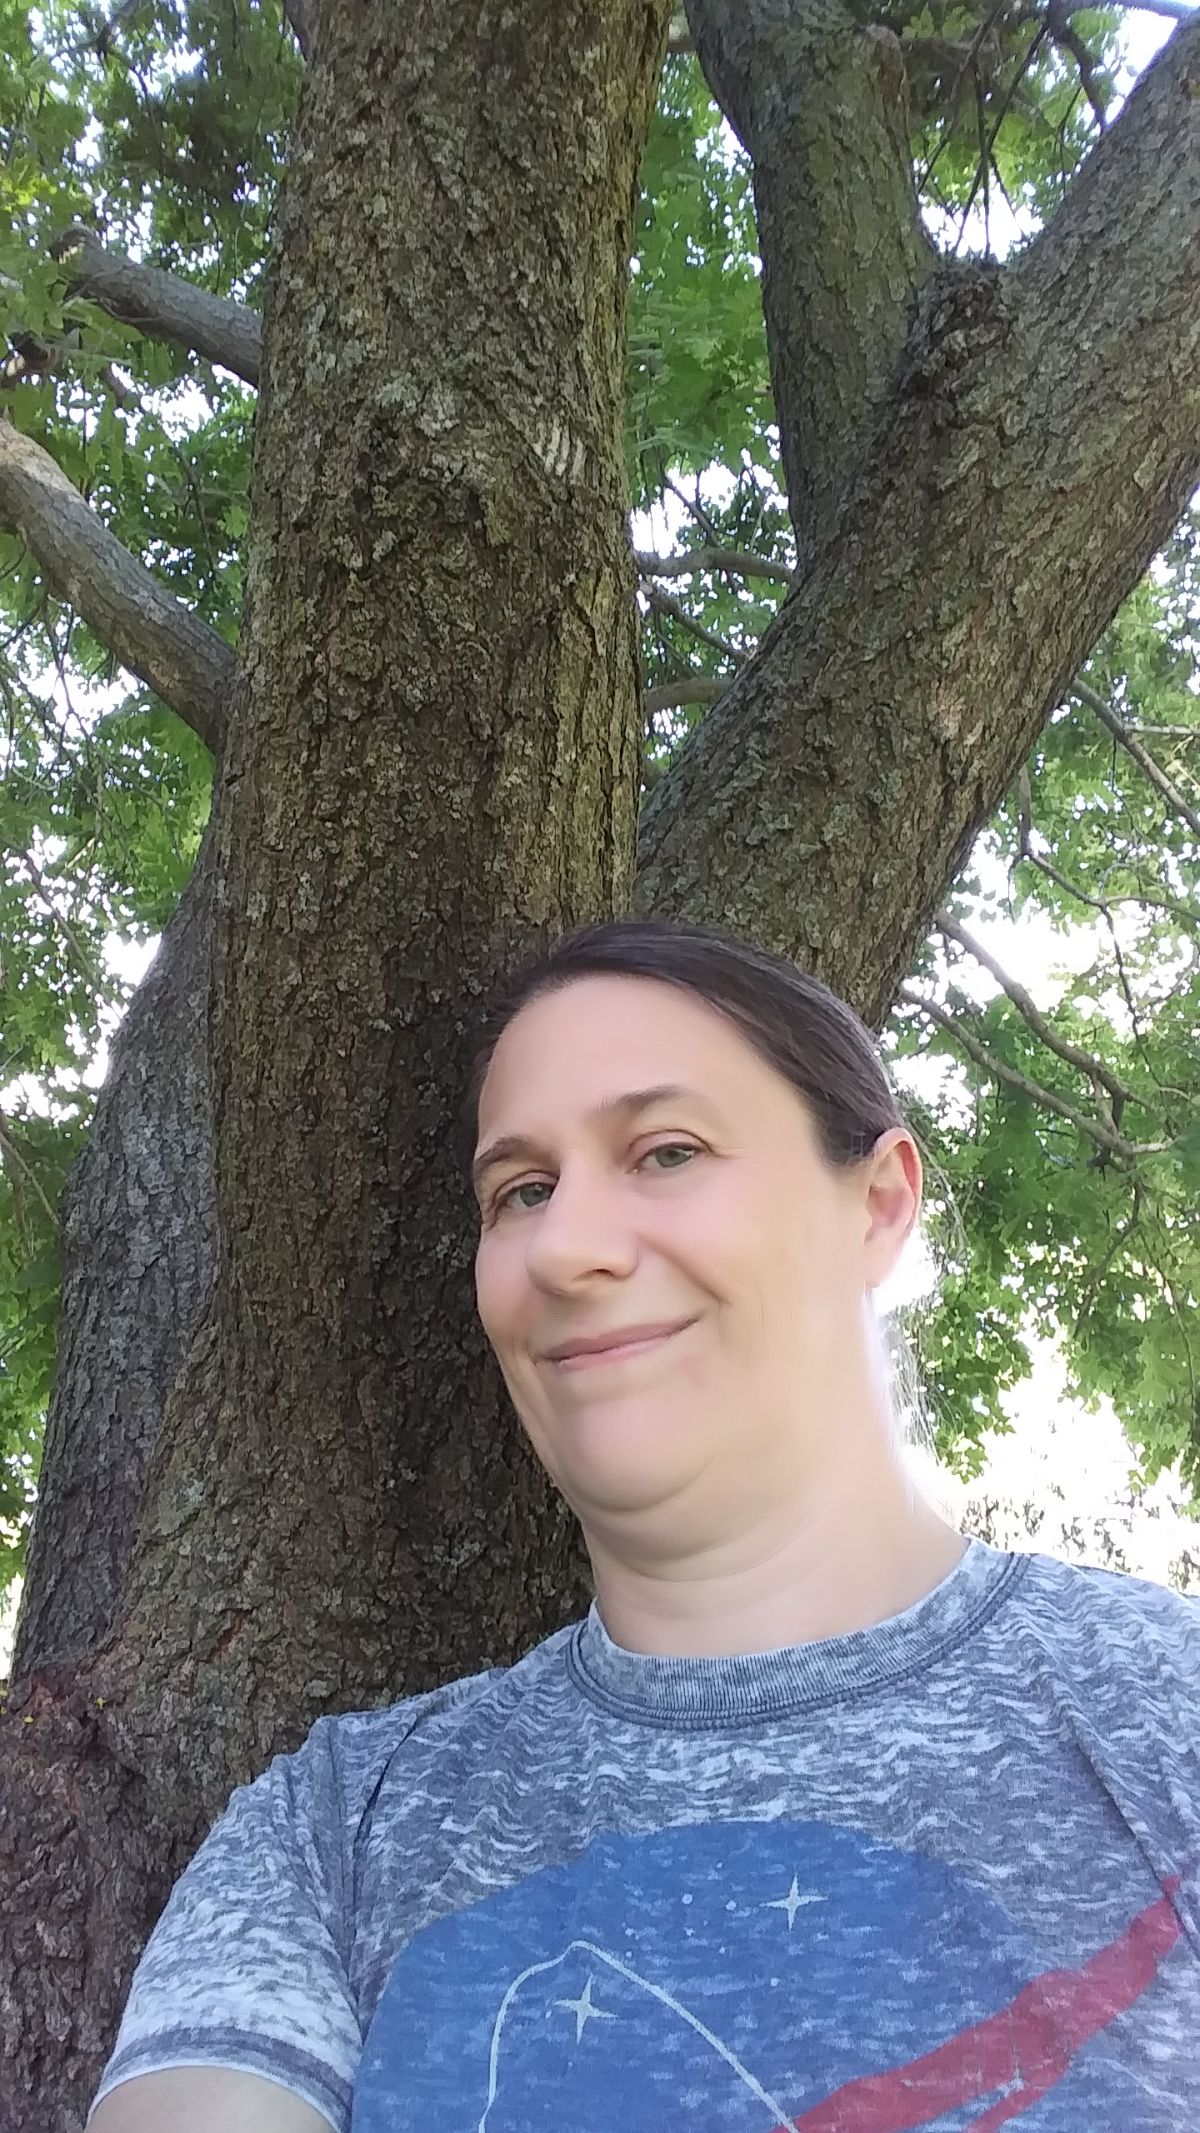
<point x="820" y="107"/>
<point x="430" y="758"/>
<point x="435" y="754"/>
<point x="141" y="1203"/>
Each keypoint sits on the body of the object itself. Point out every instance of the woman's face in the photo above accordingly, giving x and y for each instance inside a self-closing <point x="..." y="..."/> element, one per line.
<point x="647" y="1183"/>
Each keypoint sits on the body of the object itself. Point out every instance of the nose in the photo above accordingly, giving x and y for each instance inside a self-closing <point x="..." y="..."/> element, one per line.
<point x="583" y="1230"/>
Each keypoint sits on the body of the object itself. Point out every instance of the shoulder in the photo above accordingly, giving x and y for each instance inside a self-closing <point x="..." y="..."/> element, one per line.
<point x="300" y="1822"/>
<point x="351" y="1753"/>
<point x="1119" y="1622"/>
<point x="1083" y="1589"/>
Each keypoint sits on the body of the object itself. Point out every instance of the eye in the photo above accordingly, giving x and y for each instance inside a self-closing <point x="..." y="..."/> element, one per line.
<point x="666" y="1155"/>
<point x="670" y="1155"/>
<point x="509" y="1197"/>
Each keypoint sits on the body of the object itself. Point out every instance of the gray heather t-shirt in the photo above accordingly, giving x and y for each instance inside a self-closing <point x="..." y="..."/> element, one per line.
<point x="943" y="1873"/>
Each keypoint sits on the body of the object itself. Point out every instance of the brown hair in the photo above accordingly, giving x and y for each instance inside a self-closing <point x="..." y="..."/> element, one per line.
<point x="794" y="1022"/>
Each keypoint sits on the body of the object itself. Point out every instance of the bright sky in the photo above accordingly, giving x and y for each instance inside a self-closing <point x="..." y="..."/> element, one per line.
<point x="1145" y="34"/>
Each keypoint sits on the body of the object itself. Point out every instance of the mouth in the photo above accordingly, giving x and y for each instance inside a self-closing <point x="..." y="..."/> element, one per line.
<point x="622" y="1345"/>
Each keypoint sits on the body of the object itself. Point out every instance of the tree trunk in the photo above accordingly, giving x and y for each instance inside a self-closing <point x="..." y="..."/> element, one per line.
<point x="141" y="1204"/>
<point x="433" y="759"/>
<point x="441" y="669"/>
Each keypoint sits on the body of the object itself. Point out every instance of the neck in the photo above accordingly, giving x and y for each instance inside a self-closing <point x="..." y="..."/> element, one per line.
<point x="845" y="1559"/>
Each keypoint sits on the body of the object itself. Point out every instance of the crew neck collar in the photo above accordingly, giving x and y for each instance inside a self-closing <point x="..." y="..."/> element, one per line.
<point x="759" y="1685"/>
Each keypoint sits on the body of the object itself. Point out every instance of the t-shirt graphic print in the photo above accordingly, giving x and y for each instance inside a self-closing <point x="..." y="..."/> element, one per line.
<point x="751" y="1977"/>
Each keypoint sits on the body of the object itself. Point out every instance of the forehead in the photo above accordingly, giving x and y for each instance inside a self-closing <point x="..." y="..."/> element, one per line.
<point x="568" y="1051"/>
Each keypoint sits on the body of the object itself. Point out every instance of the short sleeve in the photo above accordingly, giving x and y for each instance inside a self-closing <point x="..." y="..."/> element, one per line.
<point x="248" y="1966"/>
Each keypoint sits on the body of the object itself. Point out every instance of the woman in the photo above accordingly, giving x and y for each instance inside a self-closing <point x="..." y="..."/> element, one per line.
<point x="824" y="1817"/>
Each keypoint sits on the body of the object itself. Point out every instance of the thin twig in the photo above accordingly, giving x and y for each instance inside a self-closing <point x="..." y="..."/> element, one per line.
<point x="1181" y="1322"/>
<point x="1104" y="1137"/>
<point x="1143" y="898"/>
<point x="1128" y="740"/>
<point x="1061" y="881"/>
<point x="1064" y="33"/>
<point x="692" y="505"/>
<point x="83" y="961"/>
<point x="12" y="1154"/>
<point x="1036" y="41"/>
<point x="986" y="25"/>
<point x="661" y="603"/>
<point x="1073" y="1054"/>
<point x="1123" y="1232"/>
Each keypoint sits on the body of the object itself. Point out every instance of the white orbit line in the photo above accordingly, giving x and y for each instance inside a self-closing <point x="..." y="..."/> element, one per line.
<point x="781" y="2118"/>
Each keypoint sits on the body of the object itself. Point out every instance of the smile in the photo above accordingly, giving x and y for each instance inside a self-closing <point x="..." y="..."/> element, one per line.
<point x="618" y="1351"/>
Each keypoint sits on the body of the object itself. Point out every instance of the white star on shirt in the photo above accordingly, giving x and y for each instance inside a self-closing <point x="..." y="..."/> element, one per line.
<point x="583" y="2010"/>
<point x="793" y="1902"/>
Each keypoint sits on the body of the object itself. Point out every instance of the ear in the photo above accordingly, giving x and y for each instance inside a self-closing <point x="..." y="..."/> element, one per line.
<point x="892" y="1181"/>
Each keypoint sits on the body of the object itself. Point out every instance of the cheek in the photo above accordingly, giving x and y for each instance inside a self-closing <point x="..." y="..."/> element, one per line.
<point x="734" y="1258"/>
<point x="819" y="1267"/>
<point x="500" y="1290"/>
<point x="782" y="1253"/>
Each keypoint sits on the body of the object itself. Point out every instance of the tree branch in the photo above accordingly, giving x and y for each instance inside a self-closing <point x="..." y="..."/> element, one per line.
<point x="1141" y="756"/>
<point x="30" y="357"/>
<point x="1120" y="1237"/>
<point x="1092" y="1128"/>
<point x="1067" y="37"/>
<point x="1074" y="1055"/>
<point x="100" y="35"/>
<point x="679" y="37"/>
<point x="689" y="689"/>
<point x="83" y="961"/>
<point x="1189" y="913"/>
<point x="1034" y="453"/>
<point x="11" y="1152"/>
<point x="661" y="603"/>
<point x="819" y="105"/>
<point x="731" y="562"/>
<point x="163" y="306"/>
<point x="1078" y="283"/>
<point x="149" y="631"/>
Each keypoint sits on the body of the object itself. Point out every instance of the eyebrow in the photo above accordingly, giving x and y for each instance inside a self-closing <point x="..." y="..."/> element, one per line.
<point x="510" y="1147"/>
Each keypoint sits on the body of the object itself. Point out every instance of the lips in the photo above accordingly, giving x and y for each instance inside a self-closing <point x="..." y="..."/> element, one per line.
<point x="618" y="1342"/>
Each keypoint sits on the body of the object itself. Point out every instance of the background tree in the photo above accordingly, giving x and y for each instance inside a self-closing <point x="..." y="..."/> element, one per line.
<point x="897" y="491"/>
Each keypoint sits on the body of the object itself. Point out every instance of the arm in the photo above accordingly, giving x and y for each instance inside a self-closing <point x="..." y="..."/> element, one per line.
<point x="204" y="2099"/>
<point x="241" y="2016"/>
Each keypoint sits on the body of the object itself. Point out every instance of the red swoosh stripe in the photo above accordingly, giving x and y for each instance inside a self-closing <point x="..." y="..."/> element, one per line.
<point x="1031" y="2042"/>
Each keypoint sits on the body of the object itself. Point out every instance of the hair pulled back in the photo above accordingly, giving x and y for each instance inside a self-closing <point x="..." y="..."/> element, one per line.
<point x="794" y="1022"/>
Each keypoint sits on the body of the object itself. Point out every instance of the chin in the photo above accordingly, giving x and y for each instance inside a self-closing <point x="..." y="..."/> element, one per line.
<point x="602" y="1490"/>
<point x="621" y="1456"/>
